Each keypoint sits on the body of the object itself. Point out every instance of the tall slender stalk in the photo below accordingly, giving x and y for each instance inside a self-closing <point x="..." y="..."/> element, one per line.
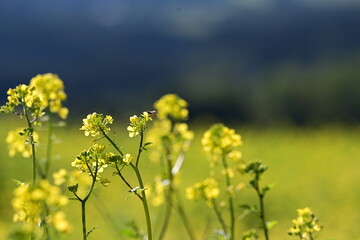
<point x="219" y="216"/>
<point x="230" y="199"/>
<point x="139" y="178"/>
<point x="86" y="198"/>
<point x="169" y="195"/>
<point x="49" y="146"/>
<point x="262" y="211"/>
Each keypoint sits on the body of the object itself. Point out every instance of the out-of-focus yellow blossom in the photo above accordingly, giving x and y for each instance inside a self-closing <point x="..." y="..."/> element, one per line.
<point x="25" y="96"/>
<point x="20" y="143"/>
<point x="171" y="107"/>
<point x="95" y="123"/>
<point x="138" y="124"/>
<point x="158" y="197"/>
<point x="305" y="225"/>
<point x="94" y="160"/>
<point x="58" y="220"/>
<point x="51" y="89"/>
<point x="60" y="177"/>
<point x="207" y="189"/>
<point x="31" y="203"/>
<point x="228" y="172"/>
<point x="221" y="141"/>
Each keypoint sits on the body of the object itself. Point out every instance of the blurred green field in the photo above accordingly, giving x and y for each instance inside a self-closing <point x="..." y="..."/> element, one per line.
<point x="314" y="167"/>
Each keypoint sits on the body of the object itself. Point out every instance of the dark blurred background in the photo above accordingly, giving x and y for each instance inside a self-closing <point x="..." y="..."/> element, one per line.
<point x="252" y="61"/>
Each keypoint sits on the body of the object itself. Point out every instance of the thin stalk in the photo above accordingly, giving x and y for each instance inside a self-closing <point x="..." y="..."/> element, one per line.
<point x="49" y="146"/>
<point x="185" y="219"/>
<point x="230" y="200"/>
<point x="144" y="201"/>
<point x="138" y="175"/>
<point x="219" y="216"/>
<point x="169" y="197"/>
<point x="140" y="149"/>
<point x="84" y="200"/>
<point x="31" y="140"/>
<point x="262" y="209"/>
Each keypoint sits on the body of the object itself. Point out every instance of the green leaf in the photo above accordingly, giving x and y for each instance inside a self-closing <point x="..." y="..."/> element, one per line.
<point x="73" y="188"/>
<point x="268" y="187"/>
<point x="271" y="224"/>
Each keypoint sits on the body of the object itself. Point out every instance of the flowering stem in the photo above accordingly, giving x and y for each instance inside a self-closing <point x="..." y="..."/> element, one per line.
<point x="32" y="142"/>
<point x="84" y="200"/>
<point x="219" y="216"/>
<point x="169" y="193"/>
<point x="138" y="175"/>
<point x="230" y="199"/>
<point x="185" y="219"/>
<point x="144" y="201"/>
<point x="49" y="146"/>
<point x="262" y="212"/>
<point x="140" y="149"/>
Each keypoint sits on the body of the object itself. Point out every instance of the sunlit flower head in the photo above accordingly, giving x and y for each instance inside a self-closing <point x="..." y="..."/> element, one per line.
<point x="96" y="124"/>
<point x="18" y="142"/>
<point x="171" y="107"/>
<point x="24" y="96"/>
<point x="305" y="225"/>
<point x="94" y="160"/>
<point x="138" y="124"/>
<point x="51" y="89"/>
<point x="219" y="141"/>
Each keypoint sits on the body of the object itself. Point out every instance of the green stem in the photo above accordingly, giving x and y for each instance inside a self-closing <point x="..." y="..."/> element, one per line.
<point x="49" y="146"/>
<point x="140" y="149"/>
<point x="144" y="201"/>
<point x="230" y="200"/>
<point x="185" y="219"/>
<point x="219" y="216"/>
<point x="83" y="219"/>
<point x="262" y="208"/>
<point x="31" y="140"/>
<point x="169" y="195"/>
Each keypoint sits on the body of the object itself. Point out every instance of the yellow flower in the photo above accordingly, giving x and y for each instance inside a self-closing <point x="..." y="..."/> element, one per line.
<point x="25" y="96"/>
<point x="171" y="107"/>
<point x="20" y="143"/>
<point x="220" y="141"/>
<point x="51" y="89"/>
<point x="60" y="177"/>
<point x="127" y="158"/>
<point x="138" y="124"/>
<point x="96" y="124"/>
<point x="305" y="225"/>
<point x="31" y="203"/>
<point x="207" y="189"/>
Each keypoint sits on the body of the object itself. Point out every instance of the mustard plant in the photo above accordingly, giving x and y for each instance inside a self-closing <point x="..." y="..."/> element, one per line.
<point x="220" y="143"/>
<point x="171" y="139"/>
<point x="34" y="202"/>
<point x="256" y="170"/>
<point x="97" y="126"/>
<point x="306" y="225"/>
<point x="93" y="162"/>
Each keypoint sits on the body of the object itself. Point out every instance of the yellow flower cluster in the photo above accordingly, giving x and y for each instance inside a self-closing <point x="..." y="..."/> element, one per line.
<point x="50" y="88"/>
<point x="207" y="189"/>
<point x="305" y="225"/>
<point x="221" y="141"/>
<point x="96" y="124"/>
<point x="29" y="203"/>
<point x="93" y="159"/>
<point x="138" y="124"/>
<point x="19" y="143"/>
<point x="171" y="107"/>
<point x="26" y="96"/>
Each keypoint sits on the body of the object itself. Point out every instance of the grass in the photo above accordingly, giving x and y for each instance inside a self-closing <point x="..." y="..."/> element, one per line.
<point x="315" y="167"/>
